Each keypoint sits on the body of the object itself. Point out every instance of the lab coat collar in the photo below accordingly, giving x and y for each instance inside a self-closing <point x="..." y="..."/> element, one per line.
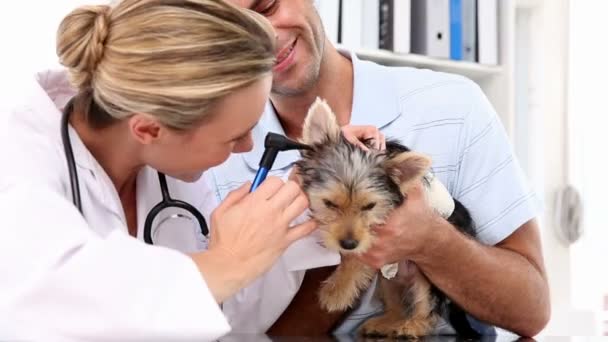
<point x="371" y="81"/>
<point x="103" y="185"/>
<point x="57" y="87"/>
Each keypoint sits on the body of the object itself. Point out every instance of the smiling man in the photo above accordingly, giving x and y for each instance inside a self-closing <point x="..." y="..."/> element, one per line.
<point x="499" y="280"/>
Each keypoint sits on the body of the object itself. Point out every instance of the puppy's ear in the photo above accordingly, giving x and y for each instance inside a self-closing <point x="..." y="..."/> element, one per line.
<point x="320" y="124"/>
<point x="407" y="167"/>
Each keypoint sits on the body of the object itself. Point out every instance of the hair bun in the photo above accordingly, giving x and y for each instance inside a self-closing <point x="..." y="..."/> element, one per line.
<point x="80" y="42"/>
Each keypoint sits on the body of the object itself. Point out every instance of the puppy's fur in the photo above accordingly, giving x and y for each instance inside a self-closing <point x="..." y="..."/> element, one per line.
<point x="350" y="191"/>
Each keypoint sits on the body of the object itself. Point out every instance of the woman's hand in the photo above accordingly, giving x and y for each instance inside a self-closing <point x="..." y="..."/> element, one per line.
<point x="357" y="135"/>
<point x="250" y="232"/>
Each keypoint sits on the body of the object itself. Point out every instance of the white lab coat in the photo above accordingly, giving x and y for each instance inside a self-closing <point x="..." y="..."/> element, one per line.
<point x="65" y="277"/>
<point x="74" y="279"/>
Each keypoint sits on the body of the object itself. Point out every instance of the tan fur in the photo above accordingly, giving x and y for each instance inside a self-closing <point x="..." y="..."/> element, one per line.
<point x="344" y="286"/>
<point x="348" y="220"/>
<point x="408" y="309"/>
<point x="408" y="168"/>
<point x="339" y="207"/>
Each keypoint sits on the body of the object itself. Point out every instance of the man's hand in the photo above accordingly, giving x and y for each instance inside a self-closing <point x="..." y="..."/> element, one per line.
<point x="405" y="232"/>
<point x="357" y="135"/>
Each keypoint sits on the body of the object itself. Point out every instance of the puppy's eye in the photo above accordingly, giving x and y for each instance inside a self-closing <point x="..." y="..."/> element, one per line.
<point x="329" y="204"/>
<point x="368" y="206"/>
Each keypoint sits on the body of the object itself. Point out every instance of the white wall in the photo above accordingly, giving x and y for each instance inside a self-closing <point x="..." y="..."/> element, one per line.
<point x="551" y="61"/>
<point x="588" y="117"/>
<point x="541" y="142"/>
<point x="561" y="136"/>
<point x="27" y="32"/>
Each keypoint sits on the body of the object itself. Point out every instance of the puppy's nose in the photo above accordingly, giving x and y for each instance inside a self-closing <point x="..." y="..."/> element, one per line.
<point x="349" y="243"/>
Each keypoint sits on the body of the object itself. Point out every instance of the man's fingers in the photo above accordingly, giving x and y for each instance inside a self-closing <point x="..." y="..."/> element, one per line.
<point x="361" y="145"/>
<point x="371" y="260"/>
<point x="378" y="140"/>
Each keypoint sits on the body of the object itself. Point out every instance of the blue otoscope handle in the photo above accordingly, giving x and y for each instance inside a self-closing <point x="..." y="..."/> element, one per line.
<point x="259" y="178"/>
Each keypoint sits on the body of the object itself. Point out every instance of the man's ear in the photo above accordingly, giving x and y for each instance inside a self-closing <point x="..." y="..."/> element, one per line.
<point x="407" y="167"/>
<point x="320" y="124"/>
<point x="145" y="128"/>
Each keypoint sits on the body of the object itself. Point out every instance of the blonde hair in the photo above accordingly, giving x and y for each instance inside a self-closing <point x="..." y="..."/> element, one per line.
<point x="172" y="59"/>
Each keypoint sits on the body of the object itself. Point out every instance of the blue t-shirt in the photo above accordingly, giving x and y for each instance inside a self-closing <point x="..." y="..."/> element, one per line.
<point x="442" y="115"/>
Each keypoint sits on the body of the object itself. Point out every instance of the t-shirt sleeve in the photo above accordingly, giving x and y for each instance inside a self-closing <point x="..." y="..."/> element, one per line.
<point x="489" y="180"/>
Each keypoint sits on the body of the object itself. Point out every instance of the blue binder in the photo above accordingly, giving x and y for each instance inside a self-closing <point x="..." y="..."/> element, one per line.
<point x="456" y="44"/>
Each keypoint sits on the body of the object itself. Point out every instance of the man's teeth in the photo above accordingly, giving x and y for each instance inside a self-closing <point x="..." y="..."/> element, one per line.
<point x="286" y="53"/>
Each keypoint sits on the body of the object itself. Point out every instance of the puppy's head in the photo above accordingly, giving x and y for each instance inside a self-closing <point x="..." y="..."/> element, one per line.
<point x="351" y="190"/>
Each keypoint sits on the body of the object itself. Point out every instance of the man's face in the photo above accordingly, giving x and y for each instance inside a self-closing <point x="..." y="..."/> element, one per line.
<point x="300" y="42"/>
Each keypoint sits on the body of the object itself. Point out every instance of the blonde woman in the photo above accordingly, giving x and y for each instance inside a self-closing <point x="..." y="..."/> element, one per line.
<point x="169" y="86"/>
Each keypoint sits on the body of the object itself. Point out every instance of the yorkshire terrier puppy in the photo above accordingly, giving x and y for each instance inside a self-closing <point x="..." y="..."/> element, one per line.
<point x="350" y="191"/>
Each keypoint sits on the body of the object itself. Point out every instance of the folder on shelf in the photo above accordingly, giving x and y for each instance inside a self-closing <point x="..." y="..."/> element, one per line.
<point x="431" y="27"/>
<point x="329" y="11"/>
<point x="351" y="23"/>
<point x="371" y="24"/>
<point x="487" y="31"/>
<point x="456" y="45"/>
<point x="402" y="26"/>
<point x="469" y="30"/>
<point x="386" y="13"/>
<point x="395" y="18"/>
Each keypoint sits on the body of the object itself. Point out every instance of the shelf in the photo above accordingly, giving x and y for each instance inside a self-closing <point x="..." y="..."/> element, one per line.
<point x="473" y="71"/>
<point x="527" y="4"/>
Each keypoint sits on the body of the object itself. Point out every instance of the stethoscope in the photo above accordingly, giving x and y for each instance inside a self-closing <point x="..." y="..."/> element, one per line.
<point x="274" y="143"/>
<point x="165" y="203"/>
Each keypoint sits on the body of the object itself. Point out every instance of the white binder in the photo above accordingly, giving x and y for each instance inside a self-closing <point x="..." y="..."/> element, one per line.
<point x="431" y="27"/>
<point x="329" y="11"/>
<point x="487" y="14"/>
<point x="402" y="26"/>
<point x="371" y="24"/>
<point x="352" y="23"/>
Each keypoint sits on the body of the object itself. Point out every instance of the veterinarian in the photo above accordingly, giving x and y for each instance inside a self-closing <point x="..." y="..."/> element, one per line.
<point x="176" y="95"/>
<point x="499" y="281"/>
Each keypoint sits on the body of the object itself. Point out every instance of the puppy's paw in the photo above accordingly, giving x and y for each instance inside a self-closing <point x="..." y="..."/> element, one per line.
<point x="377" y="327"/>
<point x="334" y="296"/>
<point x="413" y="328"/>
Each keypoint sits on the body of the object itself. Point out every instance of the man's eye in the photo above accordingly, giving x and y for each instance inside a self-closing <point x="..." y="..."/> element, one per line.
<point x="267" y="8"/>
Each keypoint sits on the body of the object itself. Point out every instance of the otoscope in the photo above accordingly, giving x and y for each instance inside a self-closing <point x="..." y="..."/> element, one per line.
<point x="273" y="144"/>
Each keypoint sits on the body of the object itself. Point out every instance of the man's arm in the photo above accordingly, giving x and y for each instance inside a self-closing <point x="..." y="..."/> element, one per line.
<point x="504" y="285"/>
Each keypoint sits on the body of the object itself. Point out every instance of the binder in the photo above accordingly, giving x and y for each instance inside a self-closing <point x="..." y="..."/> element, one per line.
<point x="469" y="30"/>
<point x="402" y="26"/>
<point x="351" y="23"/>
<point x="329" y="11"/>
<point x="431" y="27"/>
<point x="371" y="24"/>
<point x="386" y="13"/>
<point x="487" y="18"/>
<point x="456" y="44"/>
